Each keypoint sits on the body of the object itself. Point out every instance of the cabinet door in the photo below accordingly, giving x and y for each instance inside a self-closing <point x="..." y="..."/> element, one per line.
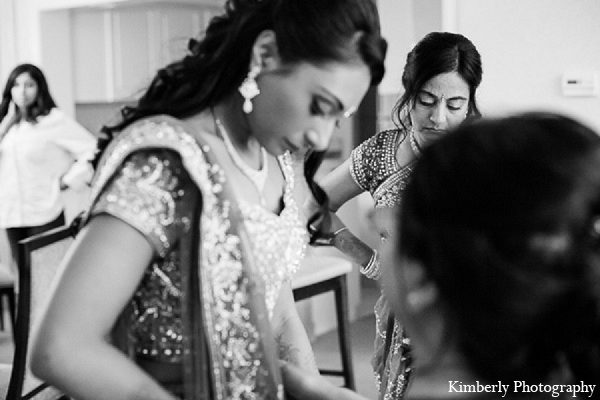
<point x="132" y="43"/>
<point x="178" y="25"/>
<point x="92" y="55"/>
<point x="117" y="51"/>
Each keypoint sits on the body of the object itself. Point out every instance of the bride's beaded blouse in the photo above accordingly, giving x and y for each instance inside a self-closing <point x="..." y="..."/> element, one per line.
<point x="148" y="192"/>
<point x="279" y="240"/>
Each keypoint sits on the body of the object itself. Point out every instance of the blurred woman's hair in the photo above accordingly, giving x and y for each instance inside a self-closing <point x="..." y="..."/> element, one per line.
<point x="43" y="102"/>
<point x="504" y="215"/>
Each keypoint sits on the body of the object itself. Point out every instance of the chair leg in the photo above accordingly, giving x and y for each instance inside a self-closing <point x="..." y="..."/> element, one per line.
<point x="2" y="295"/>
<point x="12" y="309"/>
<point x="341" y="300"/>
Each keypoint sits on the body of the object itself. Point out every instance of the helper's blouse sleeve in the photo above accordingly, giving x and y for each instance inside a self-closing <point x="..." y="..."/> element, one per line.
<point x="149" y="193"/>
<point x="370" y="160"/>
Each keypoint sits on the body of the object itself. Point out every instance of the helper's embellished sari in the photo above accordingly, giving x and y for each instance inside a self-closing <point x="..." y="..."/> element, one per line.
<point x="375" y="169"/>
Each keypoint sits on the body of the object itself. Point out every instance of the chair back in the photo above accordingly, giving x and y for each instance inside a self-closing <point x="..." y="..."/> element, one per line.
<point x="39" y="259"/>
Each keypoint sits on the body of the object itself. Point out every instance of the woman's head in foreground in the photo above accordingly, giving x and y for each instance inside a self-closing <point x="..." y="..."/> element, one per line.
<point x="499" y="238"/>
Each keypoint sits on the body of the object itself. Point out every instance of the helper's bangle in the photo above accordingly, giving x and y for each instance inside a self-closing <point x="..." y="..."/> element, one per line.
<point x="372" y="270"/>
<point x="327" y="238"/>
<point x="342" y="229"/>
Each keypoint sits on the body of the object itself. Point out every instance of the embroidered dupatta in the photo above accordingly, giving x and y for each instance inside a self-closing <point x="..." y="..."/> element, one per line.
<point x="228" y="347"/>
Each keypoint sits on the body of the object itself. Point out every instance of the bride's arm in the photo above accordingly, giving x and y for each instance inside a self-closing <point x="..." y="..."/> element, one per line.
<point x="292" y="341"/>
<point x="71" y="350"/>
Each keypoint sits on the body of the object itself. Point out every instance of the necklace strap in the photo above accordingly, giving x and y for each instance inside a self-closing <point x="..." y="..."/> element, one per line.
<point x="257" y="177"/>
<point x="414" y="145"/>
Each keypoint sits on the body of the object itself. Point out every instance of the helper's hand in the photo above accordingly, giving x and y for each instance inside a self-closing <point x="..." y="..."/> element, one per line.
<point x="303" y="385"/>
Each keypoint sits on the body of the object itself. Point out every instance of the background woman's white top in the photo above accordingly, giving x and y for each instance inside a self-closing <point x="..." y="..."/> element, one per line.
<point x="33" y="157"/>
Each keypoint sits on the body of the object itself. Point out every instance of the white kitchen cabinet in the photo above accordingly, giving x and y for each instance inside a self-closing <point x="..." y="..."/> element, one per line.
<point x="117" y="51"/>
<point x="132" y="49"/>
<point x="91" y="52"/>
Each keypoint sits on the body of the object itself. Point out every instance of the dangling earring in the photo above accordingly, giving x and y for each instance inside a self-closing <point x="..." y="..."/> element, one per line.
<point x="419" y="299"/>
<point x="249" y="89"/>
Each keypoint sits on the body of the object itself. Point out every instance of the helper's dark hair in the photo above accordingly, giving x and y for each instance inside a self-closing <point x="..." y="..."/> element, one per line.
<point x="315" y="31"/>
<point x="43" y="102"/>
<point x="438" y="53"/>
<point x="504" y="215"/>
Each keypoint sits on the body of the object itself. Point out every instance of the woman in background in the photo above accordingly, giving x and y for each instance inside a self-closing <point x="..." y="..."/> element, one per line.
<point x="440" y="80"/>
<point x="493" y="265"/>
<point x="42" y="152"/>
<point x="194" y="235"/>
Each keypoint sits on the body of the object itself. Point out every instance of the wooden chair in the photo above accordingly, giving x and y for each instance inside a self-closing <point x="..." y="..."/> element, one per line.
<point x="322" y="274"/>
<point x="39" y="259"/>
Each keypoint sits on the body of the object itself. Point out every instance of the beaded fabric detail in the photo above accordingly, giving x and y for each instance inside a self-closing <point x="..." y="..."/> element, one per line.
<point x="148" y="194"/>
<point x="257" y="177"/>
<point x="227" y="288"/>
<point x="391" y="378"/>
<point x="375" y="169"/>
<point x="414" y="145"/>
<point x="279" y="240"/>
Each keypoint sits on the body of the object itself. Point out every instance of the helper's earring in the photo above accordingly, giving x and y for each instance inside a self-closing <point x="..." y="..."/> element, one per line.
<point x="249" y="89"/>
<point x="419" y="299"/>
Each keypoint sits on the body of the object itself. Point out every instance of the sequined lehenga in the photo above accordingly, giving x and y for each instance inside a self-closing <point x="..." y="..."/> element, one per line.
<point x="375" y="169"/>
<point x="198" y="321"/>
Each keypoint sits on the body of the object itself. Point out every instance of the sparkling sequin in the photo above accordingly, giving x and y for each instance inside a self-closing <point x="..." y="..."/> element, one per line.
<point x="279" y="240"/>
<point x="146" y="188"/>
<point x="375" y="169"/>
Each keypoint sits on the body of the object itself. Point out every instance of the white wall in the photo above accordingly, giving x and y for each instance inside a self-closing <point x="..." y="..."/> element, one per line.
<point x="398" y="29"/>
<point x="526" y="46"/>
<point x="8" y="47"/>
<point x="56" y="57"/>
<point x="19" y="35"/>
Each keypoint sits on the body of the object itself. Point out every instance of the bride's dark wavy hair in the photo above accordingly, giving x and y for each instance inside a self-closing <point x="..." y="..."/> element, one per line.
<point x="312" y="31"/>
